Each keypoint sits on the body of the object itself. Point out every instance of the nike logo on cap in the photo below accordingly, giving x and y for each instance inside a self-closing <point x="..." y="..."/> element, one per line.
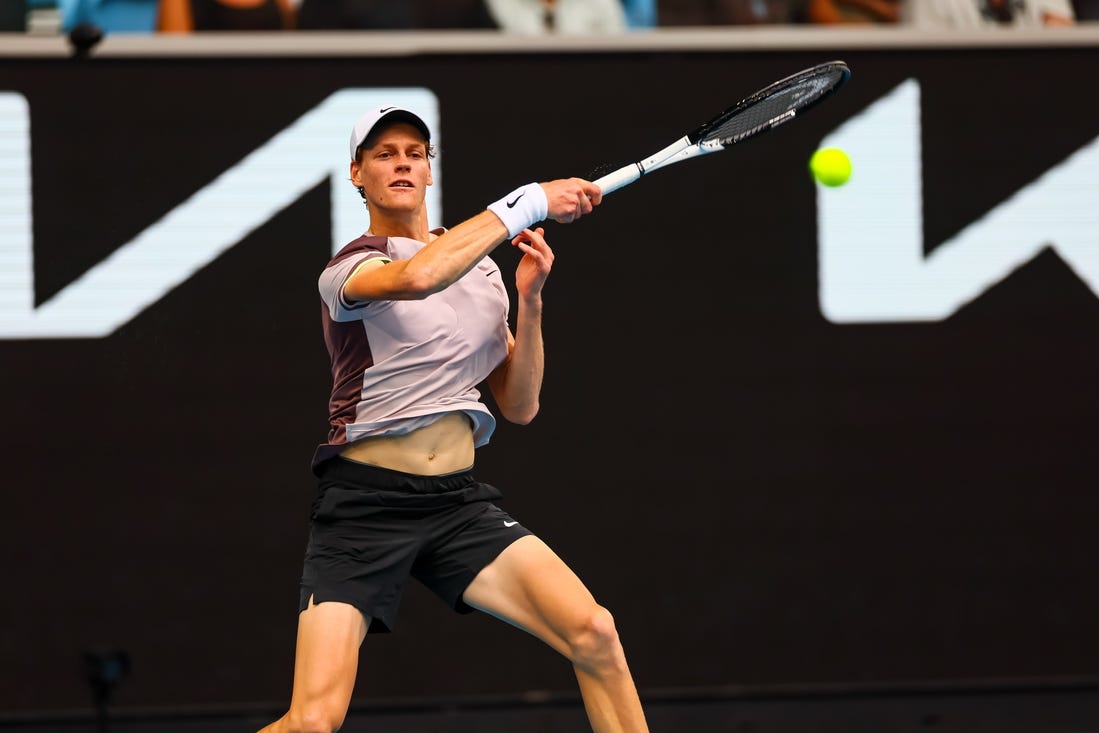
<point x="385" y="109"/>
<point x="511" y="204"/>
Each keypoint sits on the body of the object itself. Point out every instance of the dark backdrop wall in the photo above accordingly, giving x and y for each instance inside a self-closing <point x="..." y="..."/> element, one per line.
<point x="761" y="496"/>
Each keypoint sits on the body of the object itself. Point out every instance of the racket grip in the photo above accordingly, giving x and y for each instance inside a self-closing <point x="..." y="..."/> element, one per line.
<point x="617" y="179"/>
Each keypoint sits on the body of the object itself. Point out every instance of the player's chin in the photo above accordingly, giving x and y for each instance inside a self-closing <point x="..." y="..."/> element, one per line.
<point x="403" y="202"/>
<point x="397" y="193"/>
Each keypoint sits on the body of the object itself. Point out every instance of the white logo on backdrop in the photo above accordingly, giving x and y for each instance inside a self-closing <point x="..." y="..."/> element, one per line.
<point x="142" y="271"/>
<point x="872" y="266"/>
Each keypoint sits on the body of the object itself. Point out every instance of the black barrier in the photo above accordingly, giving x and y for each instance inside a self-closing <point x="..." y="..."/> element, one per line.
<point x="776" y="454"/>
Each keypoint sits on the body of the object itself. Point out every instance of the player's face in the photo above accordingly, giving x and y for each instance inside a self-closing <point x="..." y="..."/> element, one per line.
<point x="395" y="171"/>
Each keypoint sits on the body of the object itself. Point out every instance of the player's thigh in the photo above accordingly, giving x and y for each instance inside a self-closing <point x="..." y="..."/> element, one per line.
<point x="529" y="586"/>
<point x="327" y="657"/>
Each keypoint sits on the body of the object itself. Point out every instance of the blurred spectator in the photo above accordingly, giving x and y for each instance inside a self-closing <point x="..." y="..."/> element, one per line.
<point x="938" y="14"/>
<point x="728" y="12"/>
<point x="830" y="12"/>
<point x="559" y="16"/>
<point x="184" y="16"/>
<point x="640" y="14"/>
<point x="393" y="14"/>
<point x="111" y="16"/>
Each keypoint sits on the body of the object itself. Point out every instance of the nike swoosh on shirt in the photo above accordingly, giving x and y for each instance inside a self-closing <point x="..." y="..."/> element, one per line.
<point x="509" y="524"/>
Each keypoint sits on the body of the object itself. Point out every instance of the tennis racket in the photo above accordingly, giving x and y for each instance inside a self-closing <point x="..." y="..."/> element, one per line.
<point x="768" y="108"/>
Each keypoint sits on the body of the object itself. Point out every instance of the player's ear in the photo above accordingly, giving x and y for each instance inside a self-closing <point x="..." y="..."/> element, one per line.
<point x="429" y="181"/>
<point x="356" y="170"/>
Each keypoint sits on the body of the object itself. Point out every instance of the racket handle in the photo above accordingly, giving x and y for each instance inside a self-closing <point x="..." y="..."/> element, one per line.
<point x="615" y="180"/>
<point x="627" y="174"/>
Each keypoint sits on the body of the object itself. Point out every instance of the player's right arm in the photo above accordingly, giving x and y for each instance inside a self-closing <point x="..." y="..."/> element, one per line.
<point x="448" y="257"/>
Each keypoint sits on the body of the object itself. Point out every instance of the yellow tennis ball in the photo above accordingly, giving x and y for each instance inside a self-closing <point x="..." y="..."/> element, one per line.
<point x="830" y="166"/>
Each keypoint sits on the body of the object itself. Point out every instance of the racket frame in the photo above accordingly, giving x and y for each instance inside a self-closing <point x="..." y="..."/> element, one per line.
<point x="696" y="144"/>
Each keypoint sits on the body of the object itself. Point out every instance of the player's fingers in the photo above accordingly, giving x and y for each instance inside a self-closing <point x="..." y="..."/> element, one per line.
<point x="571" y="198"/>
<point x="538" y="249"/>
<point x="539" y="244"/>
<point x="578" y="205"/>
<point x="592" y="192"/>
<point x="537" y="234"/>
<point x="531" y="237"/>
<point x="578" y="209"/>
<point x="586" y="204"/>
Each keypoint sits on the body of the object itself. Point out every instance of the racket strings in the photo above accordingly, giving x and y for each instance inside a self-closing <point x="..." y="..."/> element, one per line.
<point x="773" y="106"/>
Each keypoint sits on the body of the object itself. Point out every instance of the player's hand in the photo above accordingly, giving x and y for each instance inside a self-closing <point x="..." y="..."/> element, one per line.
<point x="571" y="198"/>
<point x="537" y="261"/>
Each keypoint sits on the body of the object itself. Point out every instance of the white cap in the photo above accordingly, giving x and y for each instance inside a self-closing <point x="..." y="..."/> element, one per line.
<point x="390" y="113"/>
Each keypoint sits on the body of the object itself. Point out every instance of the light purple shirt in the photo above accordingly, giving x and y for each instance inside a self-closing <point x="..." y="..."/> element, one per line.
<point x="398" y="365"/>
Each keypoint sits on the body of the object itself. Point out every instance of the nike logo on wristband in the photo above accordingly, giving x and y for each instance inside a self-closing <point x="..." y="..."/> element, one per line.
<point x="511" y="204"/>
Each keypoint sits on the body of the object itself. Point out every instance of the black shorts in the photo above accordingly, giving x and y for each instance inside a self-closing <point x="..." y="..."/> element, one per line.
<point x="372" y="528"/>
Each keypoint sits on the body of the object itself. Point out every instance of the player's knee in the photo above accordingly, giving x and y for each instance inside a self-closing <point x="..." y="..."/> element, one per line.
<point x="315" y="719"/>
<point x="595" y="644"/>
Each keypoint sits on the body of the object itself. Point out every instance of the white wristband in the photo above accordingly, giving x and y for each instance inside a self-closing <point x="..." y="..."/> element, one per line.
<point x="523" y="207"/>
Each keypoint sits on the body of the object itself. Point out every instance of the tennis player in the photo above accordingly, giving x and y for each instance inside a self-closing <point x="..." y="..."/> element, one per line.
<point x="415" y="319"/>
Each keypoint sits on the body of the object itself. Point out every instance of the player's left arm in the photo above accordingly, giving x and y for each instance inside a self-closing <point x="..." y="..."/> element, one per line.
<point x="516" y="384"/>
